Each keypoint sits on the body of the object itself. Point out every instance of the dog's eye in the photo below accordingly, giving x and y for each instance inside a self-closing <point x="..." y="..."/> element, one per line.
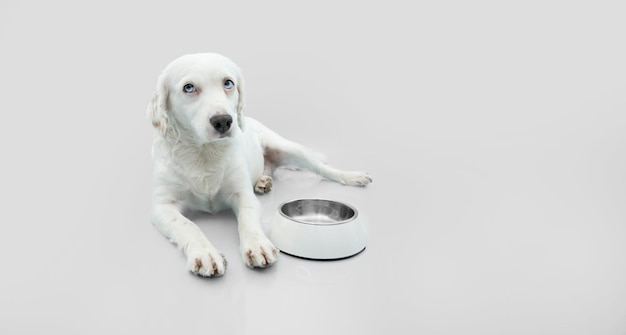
<point x="228" y="84"/>
<point x="189" y="88"/>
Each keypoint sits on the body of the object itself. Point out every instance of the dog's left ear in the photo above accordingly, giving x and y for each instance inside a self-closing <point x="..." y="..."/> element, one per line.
<point x="241" y="101"/>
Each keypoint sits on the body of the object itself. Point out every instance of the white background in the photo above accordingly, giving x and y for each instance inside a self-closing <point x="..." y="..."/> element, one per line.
<point x="494" y="133"/>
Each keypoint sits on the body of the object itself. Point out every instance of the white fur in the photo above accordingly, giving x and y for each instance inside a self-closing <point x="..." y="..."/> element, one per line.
<point x="197" y="168"/>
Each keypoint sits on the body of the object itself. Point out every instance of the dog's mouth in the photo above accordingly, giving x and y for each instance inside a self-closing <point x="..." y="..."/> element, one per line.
<point x="219" y="137"/>
<point x="224" y="135"/>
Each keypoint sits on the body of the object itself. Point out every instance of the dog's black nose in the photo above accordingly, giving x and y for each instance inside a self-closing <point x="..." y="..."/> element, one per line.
<point x="221" y="123"/>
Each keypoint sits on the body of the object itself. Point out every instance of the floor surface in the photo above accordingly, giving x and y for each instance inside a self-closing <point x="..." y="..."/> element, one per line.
<point x="495" y="134"/>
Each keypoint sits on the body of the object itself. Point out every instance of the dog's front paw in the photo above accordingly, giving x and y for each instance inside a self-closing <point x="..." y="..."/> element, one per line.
<point x="205" y="261"/>
<point x="258" y="252"/>
<point x="264" y="184"/>
<point x="355" y="178"/>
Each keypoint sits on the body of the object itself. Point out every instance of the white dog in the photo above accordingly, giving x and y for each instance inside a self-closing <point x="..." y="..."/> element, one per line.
<point x="209" y="157"/>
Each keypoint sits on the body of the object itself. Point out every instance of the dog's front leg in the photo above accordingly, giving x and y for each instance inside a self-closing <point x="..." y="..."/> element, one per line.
<point x="203" y="259"/>
<point x="256" y="249"/>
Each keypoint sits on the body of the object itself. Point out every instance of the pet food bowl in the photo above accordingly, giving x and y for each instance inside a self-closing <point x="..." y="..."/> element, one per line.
<point x="317" y="229"/>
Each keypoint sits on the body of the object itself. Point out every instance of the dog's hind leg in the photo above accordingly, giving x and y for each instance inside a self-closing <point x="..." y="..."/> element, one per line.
<point x="280" y="152"/>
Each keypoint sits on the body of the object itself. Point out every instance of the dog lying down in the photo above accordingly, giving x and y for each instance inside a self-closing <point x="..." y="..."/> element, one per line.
<point x="209" y="157"/>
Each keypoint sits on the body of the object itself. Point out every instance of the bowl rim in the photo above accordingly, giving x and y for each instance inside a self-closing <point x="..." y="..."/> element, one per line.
<point x="350" y="219"/>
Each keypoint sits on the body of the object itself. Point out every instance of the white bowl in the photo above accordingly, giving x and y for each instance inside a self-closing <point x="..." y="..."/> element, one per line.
<point x="318" y="229"/>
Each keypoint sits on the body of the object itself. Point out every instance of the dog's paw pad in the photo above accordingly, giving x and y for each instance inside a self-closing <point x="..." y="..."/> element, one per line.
<point x="259" y="254"/>
<point x="263" y="184"/>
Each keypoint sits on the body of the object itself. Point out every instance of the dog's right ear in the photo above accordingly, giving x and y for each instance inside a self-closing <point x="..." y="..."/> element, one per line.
<point x="157" y="108"/>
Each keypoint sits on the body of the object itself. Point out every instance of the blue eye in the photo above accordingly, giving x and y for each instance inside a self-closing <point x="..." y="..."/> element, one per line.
<point x="228" y="84"/>
<point x="189" y="88"/>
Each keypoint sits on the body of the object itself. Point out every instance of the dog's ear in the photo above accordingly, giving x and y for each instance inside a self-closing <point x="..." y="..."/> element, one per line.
<point x="157" y="108"/>
<point x="241" y="103"/>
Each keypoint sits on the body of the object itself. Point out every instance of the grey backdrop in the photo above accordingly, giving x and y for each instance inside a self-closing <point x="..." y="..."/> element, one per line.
<point x="494" y="133"/>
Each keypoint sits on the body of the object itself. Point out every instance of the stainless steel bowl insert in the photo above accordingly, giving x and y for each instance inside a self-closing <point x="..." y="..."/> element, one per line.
<point x="318" y="211"/>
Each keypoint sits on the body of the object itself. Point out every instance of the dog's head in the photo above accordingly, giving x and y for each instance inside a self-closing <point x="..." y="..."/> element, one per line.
<point x="200" y="96"/>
